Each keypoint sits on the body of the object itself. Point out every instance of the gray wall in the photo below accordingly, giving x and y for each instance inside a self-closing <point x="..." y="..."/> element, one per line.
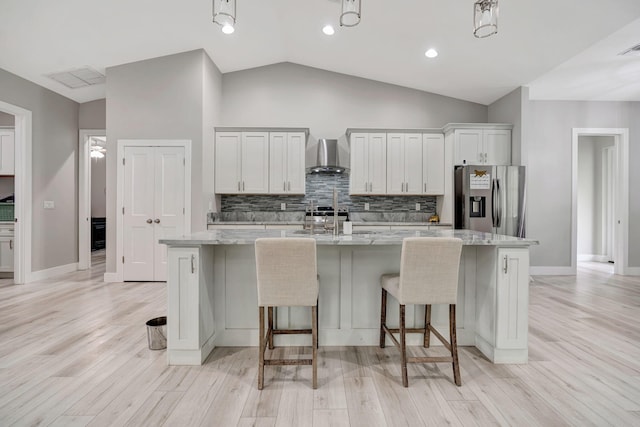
<point x="547" y="154"/>
<point x="508" y="109"/>
<point x="55" y="139"/>
<point x="328" y="103"/>
<point x="6" y="119"/>
<point x="99" y="186"/>
<point x="590" y="195"/>
<point x="160" y="98"/>
<point x="93" y="115"/>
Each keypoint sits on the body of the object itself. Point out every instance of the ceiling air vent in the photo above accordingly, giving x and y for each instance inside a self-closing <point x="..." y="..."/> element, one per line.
<point x="632" y="51"/>
<point x="80" y="77"/>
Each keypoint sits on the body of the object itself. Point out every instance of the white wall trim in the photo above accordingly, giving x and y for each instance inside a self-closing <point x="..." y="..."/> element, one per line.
<point x="52" y="272"/>
<point x="552" y="271"/>
<point x="621" y="247"/>
<point x="23" y="190"/>
<point x="593" y="257"/>
<point x="84" y="195"/>
<point x="121" y="144"/>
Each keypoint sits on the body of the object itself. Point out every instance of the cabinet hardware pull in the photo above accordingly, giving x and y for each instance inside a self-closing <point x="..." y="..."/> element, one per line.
<point x="425" y="187"/>
<point x="11" y="244"/>
<point x="242" y="185"/>
<point x="289" y="185"/>
<point x="149" y="221"/>
<point x="284" y="186"/>
<point x="157" y="221"/>
<point x="238" y="185"/>
<point x="506" y="263"/>
<point x="193" y="262"/>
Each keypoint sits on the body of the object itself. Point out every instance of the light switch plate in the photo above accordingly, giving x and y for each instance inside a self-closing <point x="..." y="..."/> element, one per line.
<point x="48" y="204"/>
<point x="366" y="206"/>
<point x="283" y="206"/>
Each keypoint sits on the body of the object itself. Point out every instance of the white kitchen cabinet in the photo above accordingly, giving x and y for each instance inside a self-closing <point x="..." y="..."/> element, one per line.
<point x="368" y="163"/>
<point x="512" y="298"/>
<point x="6" y="247"/>
<point x="482" y="146"/>
<point x="433" y="164"/>
<point x="404" y="163"/>
<point x="242" y="162"/>
<point x="286" y="162"/>
<point x="7" y="148"/>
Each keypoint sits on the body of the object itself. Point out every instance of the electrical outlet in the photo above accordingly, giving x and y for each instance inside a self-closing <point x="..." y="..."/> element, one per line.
<point x="48" y="204"/>
<point x="366" y="206"/>
<point x="417" y="206"/>
<point x="283" y="206"/>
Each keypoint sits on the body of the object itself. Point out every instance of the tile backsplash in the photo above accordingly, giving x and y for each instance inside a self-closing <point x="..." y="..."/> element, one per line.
<point x="320" y="191"/>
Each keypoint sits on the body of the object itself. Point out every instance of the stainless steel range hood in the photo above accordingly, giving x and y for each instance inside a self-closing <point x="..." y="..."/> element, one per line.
<point x="327" y="160"/>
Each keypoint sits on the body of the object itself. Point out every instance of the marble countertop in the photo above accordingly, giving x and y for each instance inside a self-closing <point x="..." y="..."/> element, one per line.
<point x="355" y="223"/>
<point x="247" y="237"/>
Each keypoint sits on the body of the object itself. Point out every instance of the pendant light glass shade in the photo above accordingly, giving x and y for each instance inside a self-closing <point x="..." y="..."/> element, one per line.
<point x="224" y="14"/>
<point x="485" y="18"/>
<point x="350" y="16"/>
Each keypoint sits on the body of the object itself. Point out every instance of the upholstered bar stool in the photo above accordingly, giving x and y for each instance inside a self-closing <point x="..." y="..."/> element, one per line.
<point x="287" y="276"/>
<point x="428" y="275"/>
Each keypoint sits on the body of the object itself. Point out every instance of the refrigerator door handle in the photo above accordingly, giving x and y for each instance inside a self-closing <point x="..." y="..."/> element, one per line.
<point x="498" y="204"/>
<point x="493" y="202"/>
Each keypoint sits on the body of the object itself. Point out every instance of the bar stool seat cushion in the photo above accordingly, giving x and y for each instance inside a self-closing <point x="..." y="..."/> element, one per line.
<point x="391" y="284"/>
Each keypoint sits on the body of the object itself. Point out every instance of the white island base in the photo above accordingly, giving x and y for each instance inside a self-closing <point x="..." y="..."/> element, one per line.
<point x="212" y="297"/>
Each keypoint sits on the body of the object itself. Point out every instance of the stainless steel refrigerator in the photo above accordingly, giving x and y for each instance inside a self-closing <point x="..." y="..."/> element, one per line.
<point x="490" y="198"/>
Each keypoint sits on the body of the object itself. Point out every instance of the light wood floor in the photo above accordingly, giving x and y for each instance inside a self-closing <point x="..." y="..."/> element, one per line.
<point x="73" y="352"/>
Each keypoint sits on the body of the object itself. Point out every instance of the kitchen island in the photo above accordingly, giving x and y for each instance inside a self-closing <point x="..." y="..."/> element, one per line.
<point x="212" y="297"/>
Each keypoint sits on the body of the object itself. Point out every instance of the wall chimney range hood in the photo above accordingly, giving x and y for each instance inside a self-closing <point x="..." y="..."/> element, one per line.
<point x="327" y="160"/>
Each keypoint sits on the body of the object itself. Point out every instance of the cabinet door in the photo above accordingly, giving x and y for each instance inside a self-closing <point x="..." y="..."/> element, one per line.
<point x="395" y="163"/>
<point x="277" y="162"/>
<point x="377" y="163"/>
<point x="228" y="162"/>
<point x="7" y="161"/>
<point x="413" y="163"/>
<point x="359" y="176"/>
<point x="255" y="162"/>
<point x="6" y="254"/>
<point x="497" y="146"/>
<point x="468" y="147"/>
<point x="296" y="145"/>
<point x="512" y="299"/>
<point x="183" y="326"/>
<point x="433" y="164"/>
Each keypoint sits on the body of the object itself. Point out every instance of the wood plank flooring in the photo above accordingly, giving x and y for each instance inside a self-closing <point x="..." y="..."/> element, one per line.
<point x="73" y="352"/>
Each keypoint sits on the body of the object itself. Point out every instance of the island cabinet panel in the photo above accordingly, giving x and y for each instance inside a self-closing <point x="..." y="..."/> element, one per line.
<point x="513" y="298"/>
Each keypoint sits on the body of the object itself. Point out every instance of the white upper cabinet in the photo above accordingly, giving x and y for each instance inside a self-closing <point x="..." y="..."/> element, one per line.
<point x="368" y="163"/>
<point x="286" y="162"/>
<point x="7" y="161"/>
<point x="404" y="163"/>
<point x="433" y="164"/>
<point x="482" y="146"/>
<point x="242" y="163"/>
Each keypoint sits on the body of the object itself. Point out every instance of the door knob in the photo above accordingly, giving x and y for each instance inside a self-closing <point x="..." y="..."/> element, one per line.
<point x="157" y="221"/>
<point x="149" y="221"/>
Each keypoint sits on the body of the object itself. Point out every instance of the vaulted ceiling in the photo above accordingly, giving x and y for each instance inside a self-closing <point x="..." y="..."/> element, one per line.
<point x="562" y="49"/>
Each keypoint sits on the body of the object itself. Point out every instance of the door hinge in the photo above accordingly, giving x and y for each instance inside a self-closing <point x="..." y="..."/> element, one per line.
<point x="123" y="259"/>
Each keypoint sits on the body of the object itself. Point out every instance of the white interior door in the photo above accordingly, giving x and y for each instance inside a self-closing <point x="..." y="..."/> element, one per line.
<point x="154" y="207"/>
<point x="169" y="206"/>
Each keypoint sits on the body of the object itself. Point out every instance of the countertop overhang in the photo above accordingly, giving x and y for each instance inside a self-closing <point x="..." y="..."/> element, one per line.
<point x="394" y="237"/>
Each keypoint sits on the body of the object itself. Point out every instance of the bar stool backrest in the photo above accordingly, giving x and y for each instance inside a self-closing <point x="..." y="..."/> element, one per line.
<point x="429" y="270"/>
<point x="287" y="272"/>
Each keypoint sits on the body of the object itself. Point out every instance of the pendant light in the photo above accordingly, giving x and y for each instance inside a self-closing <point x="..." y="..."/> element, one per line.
<point x="350" y="16"/>
<point x="485" y="18"/>
<point x="224" y="14"/>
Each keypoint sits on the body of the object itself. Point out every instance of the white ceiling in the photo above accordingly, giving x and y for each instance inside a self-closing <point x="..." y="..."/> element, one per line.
<point x="565" y="49"/>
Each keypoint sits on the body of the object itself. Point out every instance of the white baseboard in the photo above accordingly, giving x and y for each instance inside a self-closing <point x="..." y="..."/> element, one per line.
<point x="593" y="257"/>
<point x="632" y="271"/>
<point x="52" y="272"/>
<point x="111" y="278"/>
<point x="552" y="271"/>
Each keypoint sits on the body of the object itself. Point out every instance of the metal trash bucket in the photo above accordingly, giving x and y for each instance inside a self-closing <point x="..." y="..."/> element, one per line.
<point x="157" y="333"/>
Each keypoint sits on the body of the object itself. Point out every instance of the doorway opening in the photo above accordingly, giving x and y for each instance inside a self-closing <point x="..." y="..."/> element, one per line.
<point x="21" y="242"/>
<point x="600" y="173"/>
<point x="91" y="194"/>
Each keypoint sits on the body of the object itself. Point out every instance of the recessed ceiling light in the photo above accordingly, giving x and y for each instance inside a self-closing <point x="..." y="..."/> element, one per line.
<point x="431" y="53"/>
<point x="228" y="29"/>
<point x="328" y="30"/>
